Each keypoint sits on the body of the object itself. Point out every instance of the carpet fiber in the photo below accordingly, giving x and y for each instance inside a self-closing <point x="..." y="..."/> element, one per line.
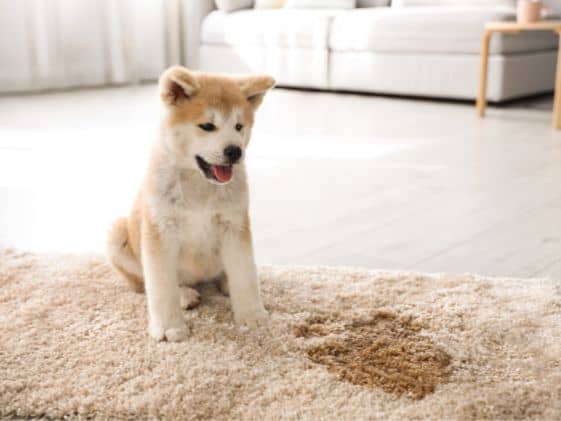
<point x="342" y="344"/>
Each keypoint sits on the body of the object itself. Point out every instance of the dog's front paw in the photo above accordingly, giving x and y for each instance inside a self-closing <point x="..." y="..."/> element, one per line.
<point x="172" y="332"/>
<point x="252" y="318"/>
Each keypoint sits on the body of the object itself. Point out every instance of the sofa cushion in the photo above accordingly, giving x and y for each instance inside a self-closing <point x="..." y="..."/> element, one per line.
<point x="320" y="4"/>
<point x="268" y="28"/>
<point x="430" y="30"/>
<point x="453" y="3"/>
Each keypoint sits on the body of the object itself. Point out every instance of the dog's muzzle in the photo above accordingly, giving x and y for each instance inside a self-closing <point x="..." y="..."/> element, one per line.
<point x="218" y="173"/>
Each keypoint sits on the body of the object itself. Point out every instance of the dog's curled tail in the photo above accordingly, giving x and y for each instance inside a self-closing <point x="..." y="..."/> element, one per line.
<point x="121" y="256"/>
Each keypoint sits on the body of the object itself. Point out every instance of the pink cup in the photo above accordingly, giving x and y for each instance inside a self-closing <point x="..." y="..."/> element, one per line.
<point x="529" y="11"/>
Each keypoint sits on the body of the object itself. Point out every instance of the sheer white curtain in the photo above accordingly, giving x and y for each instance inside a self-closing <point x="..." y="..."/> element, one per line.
<point x="51" y="44"/>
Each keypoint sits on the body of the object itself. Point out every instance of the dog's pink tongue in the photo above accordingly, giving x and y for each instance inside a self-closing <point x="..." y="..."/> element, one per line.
<point x="223" y="173"/>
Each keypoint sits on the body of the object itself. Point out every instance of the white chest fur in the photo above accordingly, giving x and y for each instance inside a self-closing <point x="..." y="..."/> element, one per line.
<point x="199" y="236"/>
<point x="194" y="214"/>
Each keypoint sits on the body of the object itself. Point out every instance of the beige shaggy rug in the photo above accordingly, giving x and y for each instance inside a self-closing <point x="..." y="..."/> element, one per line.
<point x="342" y="344"/>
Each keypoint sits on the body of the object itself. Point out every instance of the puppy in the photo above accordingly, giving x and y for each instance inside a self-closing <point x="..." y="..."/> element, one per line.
<point x="190" y="221"/>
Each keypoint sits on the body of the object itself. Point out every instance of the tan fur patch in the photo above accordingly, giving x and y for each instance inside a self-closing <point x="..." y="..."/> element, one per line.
<point x="150" y="235"/>
<point x="246" y="230"/>
<point x="385" y="351"/>
<point x="134" y="227"/>
<point x="220" y="93"/>
<point x="135" y="282"/>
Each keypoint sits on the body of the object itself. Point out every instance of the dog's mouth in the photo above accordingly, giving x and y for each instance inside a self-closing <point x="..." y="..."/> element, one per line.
<point x="219" y="173"/>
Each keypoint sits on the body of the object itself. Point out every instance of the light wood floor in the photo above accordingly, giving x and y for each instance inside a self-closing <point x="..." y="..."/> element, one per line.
<point x="336" y="179"/>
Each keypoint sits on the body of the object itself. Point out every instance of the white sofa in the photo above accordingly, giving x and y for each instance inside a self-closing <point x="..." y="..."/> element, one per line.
<point x="420" y="51"/>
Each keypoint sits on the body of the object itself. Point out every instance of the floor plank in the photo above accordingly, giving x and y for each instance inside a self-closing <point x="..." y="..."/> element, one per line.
<point x="336" y="179"/>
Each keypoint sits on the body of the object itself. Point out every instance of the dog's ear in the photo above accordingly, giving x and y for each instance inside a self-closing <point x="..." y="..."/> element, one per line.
<point x="255" y="87"/>
<point x="177" y="84"/>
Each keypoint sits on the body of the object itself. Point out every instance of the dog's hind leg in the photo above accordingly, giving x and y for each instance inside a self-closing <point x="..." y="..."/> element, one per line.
<point x="189" y="297"/>
<point x="121" y="256"/>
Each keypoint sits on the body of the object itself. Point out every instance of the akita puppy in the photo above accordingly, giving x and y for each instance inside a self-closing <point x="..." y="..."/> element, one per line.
<point x="190" y="221"/>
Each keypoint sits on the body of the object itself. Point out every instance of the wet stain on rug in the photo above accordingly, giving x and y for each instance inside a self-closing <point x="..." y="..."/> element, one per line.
<point x="384" y="351"/>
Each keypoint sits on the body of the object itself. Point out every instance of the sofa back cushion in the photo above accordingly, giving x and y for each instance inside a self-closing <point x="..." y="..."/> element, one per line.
<point x="372" y="3"/>
<point x="459" y="3"/>
<point x="320" y="4"/>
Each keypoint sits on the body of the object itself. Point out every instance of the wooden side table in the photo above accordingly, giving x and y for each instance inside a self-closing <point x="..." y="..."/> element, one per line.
<point x="515" y="28"/>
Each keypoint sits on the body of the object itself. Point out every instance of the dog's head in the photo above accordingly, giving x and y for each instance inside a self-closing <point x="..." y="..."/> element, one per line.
<point x="209" y="118"/>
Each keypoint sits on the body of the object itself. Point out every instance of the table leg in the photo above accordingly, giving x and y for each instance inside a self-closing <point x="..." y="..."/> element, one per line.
<point x="482" y="97"/>
<point x="557" y="100"/>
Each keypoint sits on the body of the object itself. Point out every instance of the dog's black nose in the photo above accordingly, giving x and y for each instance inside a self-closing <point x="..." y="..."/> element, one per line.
<point x="233" y="153"/>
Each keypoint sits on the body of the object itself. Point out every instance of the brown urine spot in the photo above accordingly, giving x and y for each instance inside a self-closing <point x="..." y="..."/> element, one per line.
<point x="385" y="351"/>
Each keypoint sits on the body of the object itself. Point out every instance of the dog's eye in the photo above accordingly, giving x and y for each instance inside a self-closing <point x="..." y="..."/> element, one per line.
<point x="208" y="127"/>
<point x="239" y="127"/>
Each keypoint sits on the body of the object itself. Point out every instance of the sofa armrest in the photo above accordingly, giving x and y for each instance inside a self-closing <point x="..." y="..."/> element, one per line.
<point x="192" y="16"/>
